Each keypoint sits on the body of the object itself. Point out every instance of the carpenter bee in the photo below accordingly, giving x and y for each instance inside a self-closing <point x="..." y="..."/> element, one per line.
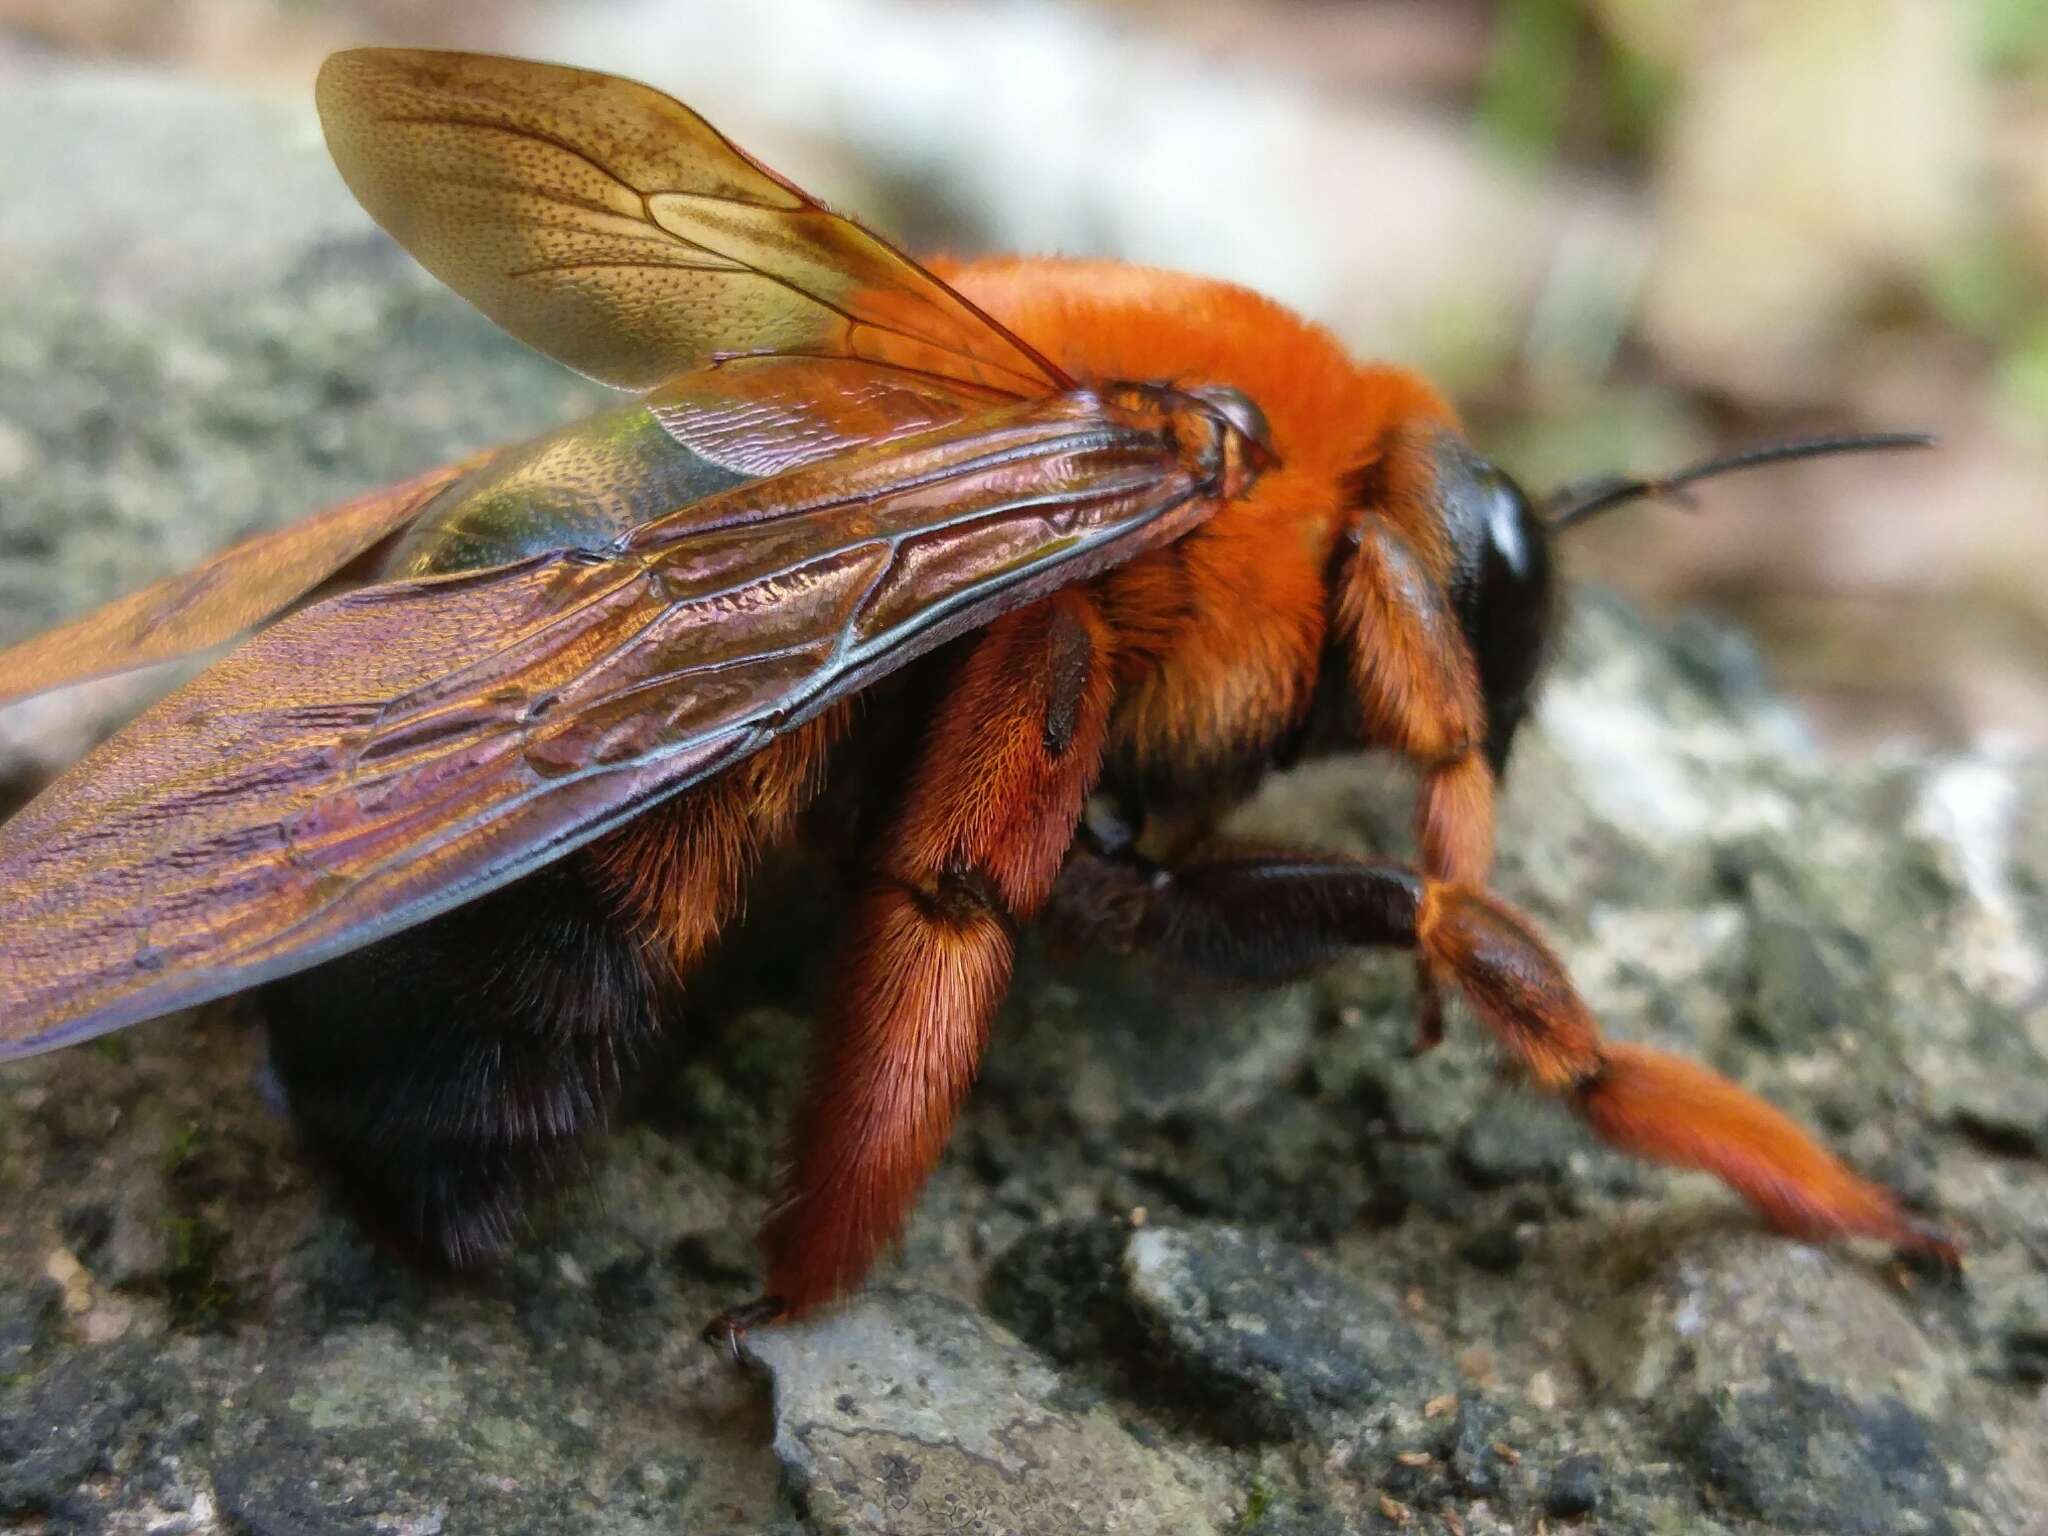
<point x="1092" y="546"/>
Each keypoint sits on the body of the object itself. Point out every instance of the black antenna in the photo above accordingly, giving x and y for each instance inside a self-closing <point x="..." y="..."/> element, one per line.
<point x="1588" y="498"/>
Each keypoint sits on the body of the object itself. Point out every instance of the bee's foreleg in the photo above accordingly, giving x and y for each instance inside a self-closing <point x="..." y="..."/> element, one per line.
<point x="1419" y="695"/>
<point x="1260" y="916"/>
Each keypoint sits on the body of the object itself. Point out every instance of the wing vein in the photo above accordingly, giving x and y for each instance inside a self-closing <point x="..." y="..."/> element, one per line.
<point x="518" y="131"/>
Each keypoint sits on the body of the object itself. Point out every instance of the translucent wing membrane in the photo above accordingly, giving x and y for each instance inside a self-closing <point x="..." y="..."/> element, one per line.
<point x="209" y="606"/>
<point x="761" y="415"/>
<point x="753" y="417"/>
<point x="394" y="751"/>
<point x="612" y="228"/>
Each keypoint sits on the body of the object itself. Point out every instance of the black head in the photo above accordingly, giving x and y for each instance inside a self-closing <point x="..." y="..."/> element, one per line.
<point x="1502" y="584"/>
<point x="1501" y="581"/>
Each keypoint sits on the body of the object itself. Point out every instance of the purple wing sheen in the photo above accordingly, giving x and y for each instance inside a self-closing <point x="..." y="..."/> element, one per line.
<point x="591" y="480"/>
<point x="386" y="754"/>
<point x="210" y="605"/>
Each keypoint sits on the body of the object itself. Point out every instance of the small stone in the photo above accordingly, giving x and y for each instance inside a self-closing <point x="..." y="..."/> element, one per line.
<point x="1805" y="984"/>
<point x="1575" y="1487"/>
<point x="1800" y="1456"/>
<point x="1469" y="1449"/>
<point x="1685" y="1299"/>
<point x="2006" y="1115"/>
<point x="1062" y="1289"/>
<point x="1270" y="1516"/>
<point x="18" y="453"/>
<point x="1497" y="1249"/>
<point x="125" y="1241"/>
<point x="1270" y="1344"/>
<point x="903" y="1410"/>
<point x="2025" y="1350"/>
<point x="719" y="1258"/>
<point x="1516" y="1138"/>
<point x="26" y="1315"/>
<point x="55" y="1430"/>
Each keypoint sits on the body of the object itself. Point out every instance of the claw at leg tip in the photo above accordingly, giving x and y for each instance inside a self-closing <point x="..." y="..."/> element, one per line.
<point x="1930" y="1247"/>
<point x="726" y="1330"/>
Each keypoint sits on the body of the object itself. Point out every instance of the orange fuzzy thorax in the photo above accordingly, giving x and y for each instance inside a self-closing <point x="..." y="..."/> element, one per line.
<point x="1220" y="636"/>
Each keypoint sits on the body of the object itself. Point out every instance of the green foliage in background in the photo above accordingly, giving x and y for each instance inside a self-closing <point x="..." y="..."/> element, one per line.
<point x="1557" y="82"/>
<point x="2014" y="35"/>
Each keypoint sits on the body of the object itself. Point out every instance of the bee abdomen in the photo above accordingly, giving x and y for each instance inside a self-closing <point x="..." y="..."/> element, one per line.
<point x="451" y="1073"/>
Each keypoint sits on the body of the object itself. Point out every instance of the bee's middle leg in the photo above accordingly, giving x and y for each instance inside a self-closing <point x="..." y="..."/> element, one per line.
<point x="975" y="846"/>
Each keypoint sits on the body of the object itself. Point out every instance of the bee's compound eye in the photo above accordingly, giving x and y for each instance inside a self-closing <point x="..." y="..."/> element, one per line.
<point x="1512" y="529"/>
<point x="1242" y="415"/>
<point x="1501" y="583"/>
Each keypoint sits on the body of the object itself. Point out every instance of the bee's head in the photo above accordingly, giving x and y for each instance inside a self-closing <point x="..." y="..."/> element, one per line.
<point x="1501" y="582"/>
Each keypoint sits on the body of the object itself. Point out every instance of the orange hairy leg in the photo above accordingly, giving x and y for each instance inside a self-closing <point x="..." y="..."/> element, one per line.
<point x="677" y="873"/>
<point x="988" y="814"/>
<point x="1419" y="690"/>
<point x="1648" y="1102"/>
<point x="1259" y="916"/>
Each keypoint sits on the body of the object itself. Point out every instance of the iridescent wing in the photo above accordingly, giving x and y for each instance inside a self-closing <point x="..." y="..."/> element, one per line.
<point x="210" y="605"/>
<point x="612" y="228"/>
<point x="386" y="754"/>
<point x="750" y="417"/>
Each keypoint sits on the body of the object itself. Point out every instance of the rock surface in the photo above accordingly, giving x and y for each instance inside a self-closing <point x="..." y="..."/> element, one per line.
<point x="1194" y="1263"/>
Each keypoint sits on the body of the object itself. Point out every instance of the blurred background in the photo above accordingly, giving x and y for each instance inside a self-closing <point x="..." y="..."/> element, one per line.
<point x="1623" y="233"/>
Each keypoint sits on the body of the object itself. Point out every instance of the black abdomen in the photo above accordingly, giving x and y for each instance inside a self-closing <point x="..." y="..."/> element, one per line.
<point x="447" y="1074"/>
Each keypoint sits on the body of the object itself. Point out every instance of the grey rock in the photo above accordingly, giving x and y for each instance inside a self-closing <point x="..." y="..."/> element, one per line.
<point x="906" y="1414"/>
<point x="1496" y="1248"/>
<point x="1689" y="1302"/>
<point x="1514" y="1138"/>
<point x="1062" y="1288"/>
<point x="2008" y="1115"/>
<point x="2026" y="1353"/>
<point x="1292" y="1517"/>
<point x="61" y="1427"/>
<point x="1800" y="1457"/>
<point x="1268" y="1343"/>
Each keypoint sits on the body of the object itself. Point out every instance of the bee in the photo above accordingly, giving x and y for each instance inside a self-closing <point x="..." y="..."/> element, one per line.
<point x="1056" y="558"/>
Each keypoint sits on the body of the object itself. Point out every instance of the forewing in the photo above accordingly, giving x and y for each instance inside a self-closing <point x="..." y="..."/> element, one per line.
<point x="611" y="227"/>
<point x="211" y="604"/>
<point x="394" y="751"/>
<point x="754" y="417"/>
